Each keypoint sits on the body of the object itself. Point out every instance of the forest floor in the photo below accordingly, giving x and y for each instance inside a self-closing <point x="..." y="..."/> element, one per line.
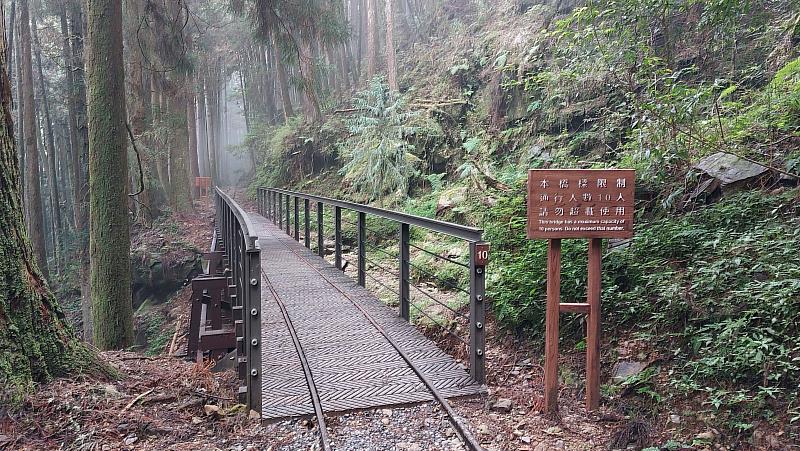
<point x="165" y="402"/>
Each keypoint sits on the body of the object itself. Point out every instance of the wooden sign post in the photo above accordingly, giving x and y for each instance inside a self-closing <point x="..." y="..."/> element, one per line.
<point x="577" y="203"/>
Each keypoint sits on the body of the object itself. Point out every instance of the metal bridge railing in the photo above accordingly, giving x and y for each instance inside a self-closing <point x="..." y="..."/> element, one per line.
<point x="243" y="267"/>
<point x="281" y="206"/>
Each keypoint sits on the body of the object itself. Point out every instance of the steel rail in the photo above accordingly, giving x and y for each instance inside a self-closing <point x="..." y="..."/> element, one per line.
<point x="439" y="279"/>
<point x="434" y="254"/>
<point x="383" y="285"/>
<point x="439" y="324"/>
<point x="388" y="271"/>
<point x="469" y="440"/>
<point x="471" y="234"/>
<point x="383" y="251"/>
<point x="312" y="388"/>
<point x="457" y="313"/>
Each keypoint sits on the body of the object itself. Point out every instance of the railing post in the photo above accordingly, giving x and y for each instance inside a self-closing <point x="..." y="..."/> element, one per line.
<point x="273" y="212"/>
<point x="477" y="316"/>
<point x="362" y="249"/>
<point x="288" y="215"/>
<point x="337" y="236"/>
<point x="307" y="218"/>
<point x="296" y="218"/>
<point x="280" y="210"/>
<point x="253" y="335"/>
<point x="405" y="272"/>
<point x="320" y="231"/>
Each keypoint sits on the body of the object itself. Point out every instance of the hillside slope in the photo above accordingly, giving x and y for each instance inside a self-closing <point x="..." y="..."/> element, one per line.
<point x="705" y="299"/>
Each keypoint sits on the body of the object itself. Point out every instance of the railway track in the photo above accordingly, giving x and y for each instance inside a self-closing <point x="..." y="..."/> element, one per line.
<point x="468" y="440"/>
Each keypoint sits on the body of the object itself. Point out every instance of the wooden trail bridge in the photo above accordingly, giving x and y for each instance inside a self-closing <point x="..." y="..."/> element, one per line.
<point x="310" y="339"/>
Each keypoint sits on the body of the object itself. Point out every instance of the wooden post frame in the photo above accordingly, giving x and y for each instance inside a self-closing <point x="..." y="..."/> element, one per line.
<point x="577" y="203"/>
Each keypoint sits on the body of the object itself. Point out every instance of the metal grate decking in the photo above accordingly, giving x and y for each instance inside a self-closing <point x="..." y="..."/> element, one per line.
<point x="353" y="365"/>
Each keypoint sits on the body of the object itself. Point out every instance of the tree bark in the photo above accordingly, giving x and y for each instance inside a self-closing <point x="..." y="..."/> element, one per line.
<point x="191" y="117"/>
<point x="391" y="63"/>
<point x="202" y="127"/>
<point x="283" y="83"/>
<point x="34" y="195"/>
<point x="139" y="101"/>
<point x="212" y="117"/>
<point x="55" y="196"/>
<point x="36" y="344"/>
<point x="72" y="49"/>
<point x="108" y="173"/>
<point x="372" y="38"/>
<point x="20" y="123"/>
<point x="308" y="74"/>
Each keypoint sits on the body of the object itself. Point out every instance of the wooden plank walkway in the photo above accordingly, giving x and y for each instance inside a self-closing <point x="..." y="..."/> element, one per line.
<point x="353" y="365"/>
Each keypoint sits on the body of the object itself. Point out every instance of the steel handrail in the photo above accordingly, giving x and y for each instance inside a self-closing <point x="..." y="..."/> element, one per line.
<point x="276" y="205"/>
<point x="243" y="270"/>
<point x="471" y="234"/>
<point x="246" y="224"/>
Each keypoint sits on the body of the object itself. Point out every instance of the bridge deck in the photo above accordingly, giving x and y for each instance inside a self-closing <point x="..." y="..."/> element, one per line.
<point x="353" y="365"/>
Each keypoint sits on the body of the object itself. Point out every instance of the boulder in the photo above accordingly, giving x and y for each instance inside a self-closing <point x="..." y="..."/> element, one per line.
<point x="450" y="199"/>
<point x="731" y="171"/>
<point x="724" y="173"/>
<point x="625" y="369"/>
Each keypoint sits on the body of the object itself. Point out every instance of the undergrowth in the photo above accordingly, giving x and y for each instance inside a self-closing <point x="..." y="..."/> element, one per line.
<point x="719" y="287"/>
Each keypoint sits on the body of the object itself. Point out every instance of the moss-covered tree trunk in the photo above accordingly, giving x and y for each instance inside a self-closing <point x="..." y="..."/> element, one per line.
<point x="35" y="342"/>
<point x="109" y="229"/>
<point x="32" y="186"/>
<point x="180" y="196"/>
<point x="72" y="52"/>
<point x="283" y="82"/>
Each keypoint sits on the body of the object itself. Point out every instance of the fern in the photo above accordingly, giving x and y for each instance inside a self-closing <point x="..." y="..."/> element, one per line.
<point x="379" y="150"/>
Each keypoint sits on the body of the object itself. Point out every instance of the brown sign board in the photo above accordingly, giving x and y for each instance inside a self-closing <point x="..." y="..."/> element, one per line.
<point x="580" y="203"/>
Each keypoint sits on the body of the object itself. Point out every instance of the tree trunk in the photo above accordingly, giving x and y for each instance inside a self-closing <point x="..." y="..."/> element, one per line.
<point x="391" y="64"/>
<point x="72" y="51"/>
<point x="307" y="73"/>
<point x="139" y="102"/>
<point x="36" y="219"/>
<point x="20" y="124"/>
<point x="372" y="38"/>
<point x="283" y="83"/>
<point x="213" y="112"/>
<point x="202" y="127"/>
<point x="108" y="173"/>
<point x="191" y="118"/>
<point x="36" y="344"/>
<point x="55" y="196"/>
<point x="180" y="192"/>
<point x="10" y="43"/>
<point x="270" y="105"/>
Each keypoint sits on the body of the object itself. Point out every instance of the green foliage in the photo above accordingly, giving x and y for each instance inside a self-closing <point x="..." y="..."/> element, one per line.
<point x="518" y="274"/>
<point x="272" y="144"/>
<point x="379" y="158"/>
<point x="719" y="286"/>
